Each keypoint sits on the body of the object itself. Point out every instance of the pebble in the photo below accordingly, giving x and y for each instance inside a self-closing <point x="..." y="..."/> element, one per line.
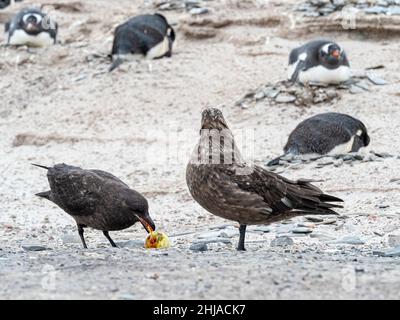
<point x="348" y="240"/>
<point x="392" y="252"/>
<point x="338" y="163"/>
<point x="376" y="80"/>
<point x="282" y="242"/>
<point x="285" y="98"/>
<point x="293" y="235"/>
<point x="33" y="247"/>
<point x="314" y="219"/>
<point x="355" y="89"/>
<point x="394" y="240"/>
<point x="271" y="92"/>
<point x="302" y="230"/>
<point x="198" y="11"/>
<point x="259" y="95"/>
<point x="321" y="236"/>
<point x="285" y="228"/>
<point x="199" y="247"/>
<point x="264" y="229"/>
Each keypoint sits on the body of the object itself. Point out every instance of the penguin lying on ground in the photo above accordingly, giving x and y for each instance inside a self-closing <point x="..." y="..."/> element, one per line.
<point x="320" y="61"/>
<point x="224" y="184"/>
<point x="326" y="133"/>
<point x="147" y="35"/>
<point x="96" y="199"/>
<point x="31" y="27"/>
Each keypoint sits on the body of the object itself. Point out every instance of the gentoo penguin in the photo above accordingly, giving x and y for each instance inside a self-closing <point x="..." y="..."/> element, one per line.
<point x="326" y="133"/>
<point x="31" y="27"/>
<point x="96" y="199"/>
<point x="224" y="184"/>
<point x="320" y="61"/>
<point x="147" y="35"/>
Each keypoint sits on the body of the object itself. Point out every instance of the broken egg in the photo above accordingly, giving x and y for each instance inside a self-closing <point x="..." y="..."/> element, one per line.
<point x="157" y="240"/>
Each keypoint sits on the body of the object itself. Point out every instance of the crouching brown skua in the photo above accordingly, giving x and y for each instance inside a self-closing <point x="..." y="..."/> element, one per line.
<point x="225" y="185"/>
<point x="96" y="199"/>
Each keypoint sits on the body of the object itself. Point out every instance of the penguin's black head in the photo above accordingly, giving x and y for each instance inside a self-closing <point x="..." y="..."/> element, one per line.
<point x="331" y="54"/>
<point x="32" y="22"/>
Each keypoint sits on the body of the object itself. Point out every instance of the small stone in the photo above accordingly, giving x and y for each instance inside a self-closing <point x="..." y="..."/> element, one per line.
<point x="311" y="14"/>
<point x="321" y="236"/>
<point x="198" y="11"/>
<point x="264" y="229"/>
<point x="359" y="269"/>
<point x="285" y="98"/>
<point x="29" y="247"/>
<point x="394" y="240"/>
<point x="259" y="95"/>
<point x="80" y="77"/>
<point x="314" y="219"/>
<point x="358" y="156"/>
<point x="293" y="235"/>
<point x="338" y="163"/>
<point x="282" y="242"/>
<point x="392" y="252"/>
<point x="355" y="89"/>
<point x="199" y="247"/>
<point x="271" y="92"/>
<point x="285" y="228"/>
<point x="376" y="80"/>
<point x="302" y="230"/>
<point x="348" y="240"/>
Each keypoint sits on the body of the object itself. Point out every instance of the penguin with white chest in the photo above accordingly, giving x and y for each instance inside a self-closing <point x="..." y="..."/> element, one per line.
<point x="148" y="35"/>
<point x="31" y="27"/>
<point x="319" y="61"/>
<point x="326" y="133"/>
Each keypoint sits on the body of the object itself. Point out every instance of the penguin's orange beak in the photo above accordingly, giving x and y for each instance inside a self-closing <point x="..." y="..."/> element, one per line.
<point x="31" y="27"/>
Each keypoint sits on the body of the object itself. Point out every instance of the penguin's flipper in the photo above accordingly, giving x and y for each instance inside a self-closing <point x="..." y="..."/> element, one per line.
<point x="171" y="33"/>
<point x="295" y="75"/>
<point x="7" y="27"/>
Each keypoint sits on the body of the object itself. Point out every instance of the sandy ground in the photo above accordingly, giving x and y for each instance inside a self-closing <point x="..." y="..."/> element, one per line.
<point x="141" y="123"/>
